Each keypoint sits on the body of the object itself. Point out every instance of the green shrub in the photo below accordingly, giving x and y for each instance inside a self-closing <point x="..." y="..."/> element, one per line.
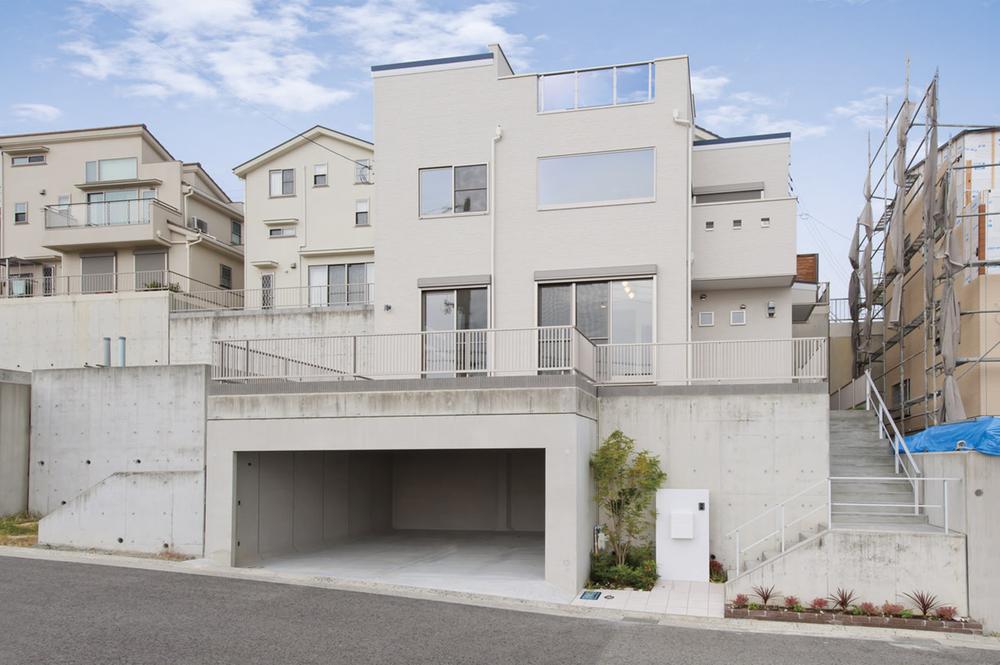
<point x="639" y="572"/>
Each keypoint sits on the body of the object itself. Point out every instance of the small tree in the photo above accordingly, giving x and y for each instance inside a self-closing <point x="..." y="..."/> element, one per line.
<point x="626" y="484"/>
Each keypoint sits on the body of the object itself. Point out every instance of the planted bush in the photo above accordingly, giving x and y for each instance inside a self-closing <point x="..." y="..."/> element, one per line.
<point x="716" y="571"/>
<point x="819" y="604"/>
<point x="946" y="613"/>
<point x="924" y="601"/>
<point x="869" y="609"/>
<point x="892" y="609"/>
<point x="791" y="602"/>
<point x="740" y="600"/>
<point x="765" y="593"/>
<point x="843" y="598"/>
<point x="638" y="571"/>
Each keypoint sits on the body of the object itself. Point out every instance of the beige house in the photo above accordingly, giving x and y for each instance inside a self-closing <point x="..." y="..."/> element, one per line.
<point x="310" y="222"/>
<point x="108" y="210"/>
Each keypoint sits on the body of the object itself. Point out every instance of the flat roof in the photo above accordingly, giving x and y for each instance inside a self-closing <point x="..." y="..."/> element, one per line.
<point x="744" y="139"/>
<point x="434" y="61"/>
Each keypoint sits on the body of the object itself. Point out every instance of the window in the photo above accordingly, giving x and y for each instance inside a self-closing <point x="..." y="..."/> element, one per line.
<point x="225" y="276"/>
<point x="281" y="232"/>
<point x="20" y="213"/>
<point x="125" y="168"/>
<point x="706" y="319"/>
<point x="282" y="182"/>
<point x="235" y="232"/>
<point x="98" y="273"/>
<point x="591" y="88"/>
<point x="738" y="317"/>
<point x="453" y="190"/>
<point x="361" y="212"/>
<point x="454" y="343"/>
<point x="319" y="175"/>
<point x="725" y="197"/>
<point x="619" y="311"/>
<point x="341" y="284"/>
<point x="198" y="224"/>
<point x="624" y="176"/>
<point x="765" y="222"/>
<point x="26" y="160"/>
<point x="709" y="226"/>
<point x="267" y="290"/>
<point x="64" y="201"/>
<point x="363" y="172"/>
<point x="150" y="270"/>
<point x="737" y="224"/>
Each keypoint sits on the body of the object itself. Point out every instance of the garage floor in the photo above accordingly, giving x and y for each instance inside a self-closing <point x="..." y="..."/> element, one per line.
<point x="496" y="563"/>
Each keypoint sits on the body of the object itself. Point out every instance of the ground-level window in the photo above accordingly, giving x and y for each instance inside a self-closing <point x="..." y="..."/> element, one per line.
<point x="150" y="270"/>
<point x="454" y="322"/>
<point x="97" y="274"/>
<point x="341" y="284"/>
<point x="615" y="311"/>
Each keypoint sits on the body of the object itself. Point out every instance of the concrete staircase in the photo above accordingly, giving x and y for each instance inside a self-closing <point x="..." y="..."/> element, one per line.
<point x="857" y="451"/>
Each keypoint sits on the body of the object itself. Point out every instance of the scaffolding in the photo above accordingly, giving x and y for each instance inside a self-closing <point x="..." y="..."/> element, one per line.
<point x="915" y="179"/>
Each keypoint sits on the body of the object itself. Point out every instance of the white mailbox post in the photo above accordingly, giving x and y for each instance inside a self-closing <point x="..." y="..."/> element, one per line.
<point x="682" y="534"/>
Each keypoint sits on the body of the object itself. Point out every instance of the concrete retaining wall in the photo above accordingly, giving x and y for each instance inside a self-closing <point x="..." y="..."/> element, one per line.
<point x="877" y="566"/>
<point x="144" y="511"/>
<point x="15" y="411"/>
<point x="91" y="424"/>
<point x="751" y="446"/>
<point x="973" y="505"/>
<point x="66" y="331"/>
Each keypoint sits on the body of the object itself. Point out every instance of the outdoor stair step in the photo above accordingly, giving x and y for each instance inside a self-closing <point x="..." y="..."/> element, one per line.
<point x="855" y="516"/>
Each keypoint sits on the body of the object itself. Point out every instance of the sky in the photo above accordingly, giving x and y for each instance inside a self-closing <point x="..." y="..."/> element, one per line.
<point x="219" y="81"/>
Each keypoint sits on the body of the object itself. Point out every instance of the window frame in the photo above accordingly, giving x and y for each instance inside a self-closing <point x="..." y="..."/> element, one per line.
<point x="363" y="170"/>
<point x="742" y="313"/>
<point x="225" y="281"/>
<point x="594" y="204"/>
<point x="765" y="222"/>
<point x="451" y="199"/>
<point x="97" y="170"/>
<point x="609" y="282"/>
<point x="709" y="224"/>
<point x="282" y="195"/>
<point x="24" y="212"/>
<point x="711" y="320"/>
<point x="271" y="235"/>
<point x="317" y="174"/>
<point x="235" y="233"/>
<point x="737" y="225"/>
<point x="650" y="87"/>
<point x="366" y="212"/>
<point x="33" y="159"/>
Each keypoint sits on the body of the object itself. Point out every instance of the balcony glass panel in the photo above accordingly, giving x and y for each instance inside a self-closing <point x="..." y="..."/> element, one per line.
<point x="595" y="88"/>
<point x="557" y="92"/>
<point x="633" y="84"/>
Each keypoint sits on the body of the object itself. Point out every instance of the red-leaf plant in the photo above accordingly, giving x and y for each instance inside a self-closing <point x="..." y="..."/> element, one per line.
<point x="843" y="598"/>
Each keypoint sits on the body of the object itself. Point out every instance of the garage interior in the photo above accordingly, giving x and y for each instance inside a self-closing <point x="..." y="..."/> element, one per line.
<point x="463" y="520"/>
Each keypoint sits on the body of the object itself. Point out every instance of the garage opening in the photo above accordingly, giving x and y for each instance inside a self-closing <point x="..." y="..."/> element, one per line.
<point x="466" y="520"/>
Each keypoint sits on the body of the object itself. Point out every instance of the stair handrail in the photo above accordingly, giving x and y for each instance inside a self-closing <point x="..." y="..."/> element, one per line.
<point x="896" y="440"/>
<point x="780" y="508"/>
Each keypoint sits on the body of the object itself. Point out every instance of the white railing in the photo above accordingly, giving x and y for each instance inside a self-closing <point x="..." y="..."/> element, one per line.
<point x="454" y="353"/>
<point x="840" y="311"/>
<point x="730" y="361"/>
<point x="101" y="213"/>
<point x="340" y="296"/>
<point x="887" y="430"/>
<point x="889" y="508"/>
<point x="770" y="528"/>
<point x="849" y="396"/>
<point x="96" y="283"/>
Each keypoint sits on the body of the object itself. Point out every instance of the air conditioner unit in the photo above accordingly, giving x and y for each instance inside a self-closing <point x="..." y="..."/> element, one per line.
<point x="198" y="224"/>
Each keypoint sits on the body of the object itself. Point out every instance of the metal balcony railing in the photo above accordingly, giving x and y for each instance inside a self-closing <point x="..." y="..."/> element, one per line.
<point x="339" y="296"/>
<point x="95" y="283"/>
<point x="102" y="213"/>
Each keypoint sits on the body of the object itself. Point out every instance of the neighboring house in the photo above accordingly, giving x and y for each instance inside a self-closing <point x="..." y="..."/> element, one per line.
<point x="310" y="222"/>
<point x="106" y="210"/>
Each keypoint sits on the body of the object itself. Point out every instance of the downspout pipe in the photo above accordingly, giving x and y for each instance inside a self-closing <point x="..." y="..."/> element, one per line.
<point x="493" y="225"/>
<point x="687" y="264"/>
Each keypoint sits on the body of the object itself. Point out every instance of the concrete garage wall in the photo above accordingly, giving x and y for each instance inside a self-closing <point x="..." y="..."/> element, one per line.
<point x="191" y="333"/>
<point x="478" y="490"/>
<point x="972" y="503"/>
<point x="877" y="566"/>
<point x="751" y="446"/>
<point x="549" y="413"/>
<point x="66" y="331"/>
<point x="91" y="424"/>
<point x="15" y="412"/>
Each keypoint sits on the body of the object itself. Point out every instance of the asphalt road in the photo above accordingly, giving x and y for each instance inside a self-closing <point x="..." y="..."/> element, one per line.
<point x="69" y="613"/>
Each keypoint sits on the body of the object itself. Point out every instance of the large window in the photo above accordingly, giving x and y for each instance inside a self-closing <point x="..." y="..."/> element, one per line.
<point x="616" y="312"/>
<point x="453" y="190"/>
<point x="125" y="168"/>
<point x="341" y="284"/>
<point x="610" y="86"/>
<point x="282" y="182"/>
<point x="624" y="176"/>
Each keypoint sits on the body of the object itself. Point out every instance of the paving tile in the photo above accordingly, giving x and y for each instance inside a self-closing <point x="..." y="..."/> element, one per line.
<point x="637" y="601"/>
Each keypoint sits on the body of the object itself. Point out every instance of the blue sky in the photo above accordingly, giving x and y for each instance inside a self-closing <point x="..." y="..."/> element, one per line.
<point x="219" y="81"/>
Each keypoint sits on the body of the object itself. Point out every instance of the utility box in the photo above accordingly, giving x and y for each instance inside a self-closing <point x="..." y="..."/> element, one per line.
<point x="682" y="535"/>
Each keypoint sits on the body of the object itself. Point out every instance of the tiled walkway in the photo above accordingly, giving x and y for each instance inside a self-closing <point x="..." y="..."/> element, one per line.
<point x="701" y="599"/>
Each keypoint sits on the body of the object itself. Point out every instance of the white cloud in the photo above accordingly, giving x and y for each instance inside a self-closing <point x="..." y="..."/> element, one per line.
<point x="35" y="112"/>
<point x="708" y="84"/>
<point x="199" y="49"/>
<point x="386" y="31"/>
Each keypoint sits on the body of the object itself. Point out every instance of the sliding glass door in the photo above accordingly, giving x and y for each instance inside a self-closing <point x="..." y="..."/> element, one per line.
<point x="455" y="338"/>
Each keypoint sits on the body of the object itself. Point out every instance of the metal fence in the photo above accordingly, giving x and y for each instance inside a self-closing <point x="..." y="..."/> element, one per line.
<point x="115" y="282"/>
<point x="339" y="296"/>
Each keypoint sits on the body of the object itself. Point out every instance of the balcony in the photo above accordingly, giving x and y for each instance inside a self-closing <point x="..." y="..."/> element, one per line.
<point x="100" y="283"/>
<point x="516" y="352"/>
<point x="348" y="296"/>
<point x="75" y="226"/>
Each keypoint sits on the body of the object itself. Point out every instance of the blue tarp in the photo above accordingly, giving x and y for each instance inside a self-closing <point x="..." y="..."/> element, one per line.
<point x="981" y="434"/>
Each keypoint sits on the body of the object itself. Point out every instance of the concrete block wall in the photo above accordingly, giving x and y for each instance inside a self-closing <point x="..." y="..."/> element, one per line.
<point x="751" y="446"/>
<point x="15" y="418"/>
